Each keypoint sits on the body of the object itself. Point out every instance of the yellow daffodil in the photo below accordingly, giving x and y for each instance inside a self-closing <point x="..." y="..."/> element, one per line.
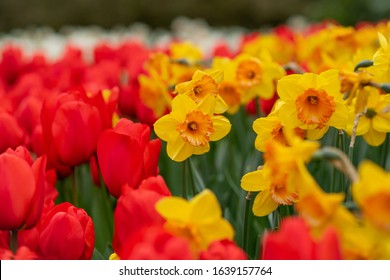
<point x="312" y="102"/>
<point x="190" y="127"/>
<point x="186" y="51"/>
<point x="203" y="85"/>
<point x="270" y="127"/>
<point x="256" y="76"/>
<point x="372" y="194"/>
<point x="154" y="94"/>
<point x="281" y="178"/>
<point x="374" y="123"/>
<point x="199" y="220"/>
<point x="381" y="60"/>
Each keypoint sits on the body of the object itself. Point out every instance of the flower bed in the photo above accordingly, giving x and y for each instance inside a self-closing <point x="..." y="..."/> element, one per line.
<point x="196" y="144"/>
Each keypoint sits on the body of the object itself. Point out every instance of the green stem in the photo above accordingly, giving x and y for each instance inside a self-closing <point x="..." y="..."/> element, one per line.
<point x="246" y="222"/>
<point x="194" y="192"/>
<point x="74" y="188"/>
<point x="385" y="148"/>
<point x="340" y="144"/>
<point x="184" y="180"/>
<point x="257" y="107"/>
<point x="14" y="241"/>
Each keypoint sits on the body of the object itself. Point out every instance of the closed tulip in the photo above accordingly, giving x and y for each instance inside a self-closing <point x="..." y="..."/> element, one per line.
<point x="22" y="187"/>
<point x="127" y="146"/>
<point x="66" y="233"/>
<point x="71" y="127"/>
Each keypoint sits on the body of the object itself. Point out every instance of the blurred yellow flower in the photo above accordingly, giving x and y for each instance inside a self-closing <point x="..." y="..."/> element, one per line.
<point x="372" y="193"/>
<point x="199" y="220"/>
<point x="374" y="122"/>
<point x="312" y="102"/>
<point x="190" y="127"/>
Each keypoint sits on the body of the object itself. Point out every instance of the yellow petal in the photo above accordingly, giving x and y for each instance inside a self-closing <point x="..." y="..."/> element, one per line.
<point x="374" y="138"/>
<point x="178" y="149"/>
<point x="217" y="75"/>
<point x="200" y="150"/>
<point x="205" y="208"/>
<point x="339" y="117"/>
<point x="165" y="128"/>
<point x="316" y="134"/>
<point x="207" y="104"/>
<point x="289" y="87"/>
<point x="264" y="204"/>
<point x="255" y="181"/>
<point x="184" y="87"/>
<point x="220" y="106"/>
<point x="381" y="123"/>
<point x="218" y="230"/>
<point x="174" y="208"/>
<point x="181" y="105"/>
<point x="288" y="115"/>
<point x="221" y="127"/>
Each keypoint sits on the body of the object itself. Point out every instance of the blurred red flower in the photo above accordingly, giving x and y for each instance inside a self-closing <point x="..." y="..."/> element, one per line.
<point x="223" y="250"/>
<point x="294" y="242"/>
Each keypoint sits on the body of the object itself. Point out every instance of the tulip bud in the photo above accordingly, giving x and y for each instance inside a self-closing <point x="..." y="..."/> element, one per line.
<point x="21" y="190"/>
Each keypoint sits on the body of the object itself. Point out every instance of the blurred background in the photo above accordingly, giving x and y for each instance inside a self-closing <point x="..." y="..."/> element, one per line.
<point x="250" y="14"/>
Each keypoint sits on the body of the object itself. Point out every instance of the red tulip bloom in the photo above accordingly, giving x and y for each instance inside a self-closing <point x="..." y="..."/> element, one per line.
<point x="154" y="243"/>
<point x="66" y="233"/>
<point x="23" y="253"/>
<point x="71" y="127"/>
<point x="22" y="187"/>
<point x="126" y="155"/>
<point x="294" y="242"/>
<point x="134" y="211"/>
<point x="12" y="135"/>
<point x="223" y="250"/>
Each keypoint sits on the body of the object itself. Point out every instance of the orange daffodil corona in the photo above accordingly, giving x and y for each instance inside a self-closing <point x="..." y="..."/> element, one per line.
<point x="190" y="127"/>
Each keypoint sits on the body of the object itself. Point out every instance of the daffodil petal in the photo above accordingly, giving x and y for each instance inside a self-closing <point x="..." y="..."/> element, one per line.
<point x="316" y="134"/>
<point x="289" y="87"/>
<point x="200" y="150"/>
<point x="207" y="104"/>
<point x="221" y="127"/>
<point x="381" y="123"/>
<point x="220" y="105"/>
<point x="184" y="87"/>
<point x="374" y="138"/>
<point x="264" y="204"/>
<point x="179" y="150"/>
<point x="181" y="105"/>
<point x="254" y="181"/>
<point x="218" y="230"/>
<point x="174" y="208"/>
<point x="205" y="208"/>
<point x="165" y="127"/>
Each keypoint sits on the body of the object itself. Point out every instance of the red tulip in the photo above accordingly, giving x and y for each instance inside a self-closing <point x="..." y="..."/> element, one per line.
<point x="223" y="250"/>
<point x="71" y="127"/>
<point x="154" y="243"/>
<point x="11" y="133"/>
<point x="127" y="146"/>
<point x="22" y="188"/>
<point x="135" y="210"/>
<point x="23" y="253"/>
<point x="66" y="233"/>
<point x="294" y="242"/>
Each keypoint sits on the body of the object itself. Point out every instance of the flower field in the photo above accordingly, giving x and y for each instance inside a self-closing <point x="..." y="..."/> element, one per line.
<point x="233" y="145"/>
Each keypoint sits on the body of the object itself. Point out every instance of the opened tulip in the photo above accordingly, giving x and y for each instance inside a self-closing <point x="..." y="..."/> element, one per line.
<point x="129" y="146"/>
<point x="22" y="187"/>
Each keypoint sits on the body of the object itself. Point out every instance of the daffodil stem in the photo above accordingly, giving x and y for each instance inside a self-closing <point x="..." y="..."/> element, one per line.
<point x="258" y="108"/>
<point x="385" y="148"/>
<point x="191" y="177"/>
<point x="341" y="147"/>
<point x="246" y="221"/>
<point x="184" y="180"/>
<point x="14" y="240"/>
